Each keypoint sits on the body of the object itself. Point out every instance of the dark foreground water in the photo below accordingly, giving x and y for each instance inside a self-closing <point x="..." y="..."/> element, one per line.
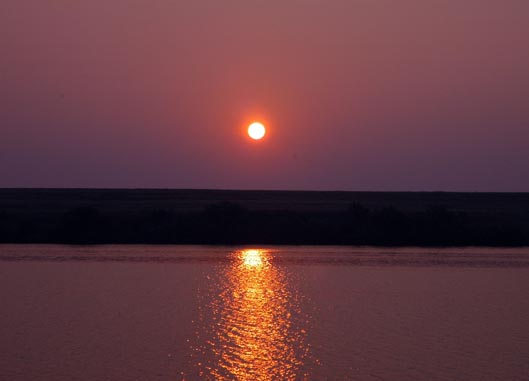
<point x="278" y="313"/>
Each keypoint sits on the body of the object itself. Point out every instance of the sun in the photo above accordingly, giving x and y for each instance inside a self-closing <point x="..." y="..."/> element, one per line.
<point x="256" y="131"/>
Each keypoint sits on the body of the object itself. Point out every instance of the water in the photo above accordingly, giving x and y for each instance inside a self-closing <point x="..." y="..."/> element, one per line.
<point x="277" y="313"/>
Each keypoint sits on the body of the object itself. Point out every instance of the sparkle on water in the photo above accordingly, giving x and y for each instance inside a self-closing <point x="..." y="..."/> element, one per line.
<point x="252" y="258"/>
<point x="254" y="334"/>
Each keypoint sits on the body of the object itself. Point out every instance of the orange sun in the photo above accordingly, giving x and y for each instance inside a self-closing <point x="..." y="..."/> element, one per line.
<point x="256" y="131"/>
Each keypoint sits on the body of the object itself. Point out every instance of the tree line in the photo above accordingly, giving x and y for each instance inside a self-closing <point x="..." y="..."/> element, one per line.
<point x="231" y="223"/>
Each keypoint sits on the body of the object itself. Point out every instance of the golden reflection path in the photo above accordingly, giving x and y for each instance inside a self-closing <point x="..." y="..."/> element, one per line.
<point x="255" y="324"/>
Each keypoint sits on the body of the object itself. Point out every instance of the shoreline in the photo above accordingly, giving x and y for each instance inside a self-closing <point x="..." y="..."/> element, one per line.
<point x="210" y="217"/>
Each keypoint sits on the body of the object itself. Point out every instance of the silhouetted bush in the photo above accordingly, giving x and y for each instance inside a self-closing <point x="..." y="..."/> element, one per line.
<point x="225" y="212"/>
<point x="4" y="226"/>
<point x="225" y="222"/>
<point x="84" y="225"/>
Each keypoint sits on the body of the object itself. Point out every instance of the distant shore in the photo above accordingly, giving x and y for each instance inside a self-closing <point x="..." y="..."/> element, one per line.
<point x="165" y="216"/>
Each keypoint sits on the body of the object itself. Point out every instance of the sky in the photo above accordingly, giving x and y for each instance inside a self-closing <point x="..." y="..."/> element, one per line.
<point x="379" y="95"/>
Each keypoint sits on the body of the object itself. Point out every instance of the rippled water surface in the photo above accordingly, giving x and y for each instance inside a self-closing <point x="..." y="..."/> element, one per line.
<point x="275" y="313"/>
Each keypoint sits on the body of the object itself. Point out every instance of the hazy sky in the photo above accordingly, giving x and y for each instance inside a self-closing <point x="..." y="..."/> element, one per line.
<point x="357" y="94"/>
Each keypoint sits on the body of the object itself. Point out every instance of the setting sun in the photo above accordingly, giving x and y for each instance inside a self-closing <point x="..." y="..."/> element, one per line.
<point x="256" y="131"/>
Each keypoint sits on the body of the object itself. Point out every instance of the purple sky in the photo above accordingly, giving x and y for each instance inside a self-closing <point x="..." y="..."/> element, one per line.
<point x="357" y="94"/>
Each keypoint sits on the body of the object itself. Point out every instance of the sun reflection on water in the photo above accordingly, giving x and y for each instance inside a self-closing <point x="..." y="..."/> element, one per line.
<point x="252" y="258"/>
<point x="255" y="330"/>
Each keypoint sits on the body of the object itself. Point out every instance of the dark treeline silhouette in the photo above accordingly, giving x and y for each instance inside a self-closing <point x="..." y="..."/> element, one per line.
<point x="232" y="223"/>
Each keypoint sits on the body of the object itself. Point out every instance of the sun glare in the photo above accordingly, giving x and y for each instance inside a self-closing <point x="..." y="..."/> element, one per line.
<point x="256" y="131"/>
<point x="252" y="258"/>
